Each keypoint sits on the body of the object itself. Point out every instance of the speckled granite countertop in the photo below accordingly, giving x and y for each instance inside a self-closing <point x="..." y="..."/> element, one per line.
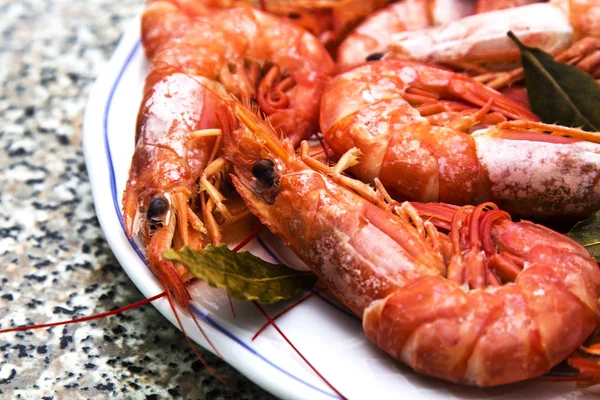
<point x="55" y="262"/>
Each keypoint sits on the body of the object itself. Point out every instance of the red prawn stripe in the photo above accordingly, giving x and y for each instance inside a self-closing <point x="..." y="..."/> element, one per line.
<point x="262" y="328"/>
<point x="536" y="137"/>
<point x="264" y="313"/>
<point x="247" y="240"/>
<point x="457" y="223"/>
<point x="230" y="304"/>
<point x="237" y="248"/>
<point x="84" y="319"/>
<point x="486" y="229"/>
<point x="270" y="321"/>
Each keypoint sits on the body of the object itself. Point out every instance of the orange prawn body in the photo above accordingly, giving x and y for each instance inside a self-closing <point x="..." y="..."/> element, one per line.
<point x="491" y="302"/>
<point x="198" y="57"/>
<point x="377" y="107"/>
<point x="375" y="33"/>
<point x="495" y="335"/>
<point x="481" y="39"/>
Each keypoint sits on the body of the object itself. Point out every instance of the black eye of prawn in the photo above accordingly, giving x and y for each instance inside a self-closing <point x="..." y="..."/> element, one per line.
<point x="158" y="207"/>
<point x="374" y="57"/>
<point x="264" y="171"/>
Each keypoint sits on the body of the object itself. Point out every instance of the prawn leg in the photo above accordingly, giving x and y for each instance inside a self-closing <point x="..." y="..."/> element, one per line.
<point x="431" y="134"/>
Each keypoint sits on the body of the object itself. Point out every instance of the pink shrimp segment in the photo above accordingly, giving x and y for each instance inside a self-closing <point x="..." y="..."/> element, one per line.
<point x="491" y="302"/>
<point x="388" y="110"/>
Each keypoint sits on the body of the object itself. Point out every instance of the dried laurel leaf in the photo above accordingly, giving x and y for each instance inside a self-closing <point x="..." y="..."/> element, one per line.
<point x="587" y="233"/>
<point x="559" y="93"/>
<point x="244" y="275"/>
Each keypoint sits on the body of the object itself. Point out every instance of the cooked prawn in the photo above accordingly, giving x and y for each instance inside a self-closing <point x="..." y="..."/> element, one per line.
<point x="195" y="61"/>
<point x="491" y="303"/>
<point x="374" y="35"/>
<point x="481" y="39"/>
<point x="387" y="109"/>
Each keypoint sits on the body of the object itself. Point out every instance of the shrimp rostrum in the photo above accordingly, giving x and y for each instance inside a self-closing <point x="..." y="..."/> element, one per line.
<point x="488" y="303"/>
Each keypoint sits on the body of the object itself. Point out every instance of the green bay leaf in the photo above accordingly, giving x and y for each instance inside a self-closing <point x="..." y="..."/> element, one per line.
<point x="587" y="233"/>
<point x="244" y="275"/>
<point x="559" y="93"/>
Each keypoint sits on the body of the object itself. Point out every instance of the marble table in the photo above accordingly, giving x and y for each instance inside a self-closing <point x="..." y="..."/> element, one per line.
<point x="54" y="261"/>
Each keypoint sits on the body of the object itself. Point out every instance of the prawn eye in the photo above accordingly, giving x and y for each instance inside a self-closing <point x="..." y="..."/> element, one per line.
<point x="374" y="57"/>
<point x="264" y="171"/>
<point x="157" y="208"/>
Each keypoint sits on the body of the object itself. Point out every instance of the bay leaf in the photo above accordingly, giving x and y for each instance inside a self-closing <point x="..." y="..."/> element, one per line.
<point x="587" y="233"/>
<point x="244" y="275"/>
<point x="559" y="93"/>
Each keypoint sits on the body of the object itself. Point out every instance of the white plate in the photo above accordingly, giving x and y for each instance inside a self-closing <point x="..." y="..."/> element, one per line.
<point x="329" y="337"/>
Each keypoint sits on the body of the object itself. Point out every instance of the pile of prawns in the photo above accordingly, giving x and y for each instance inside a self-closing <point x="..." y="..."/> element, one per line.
<point x="426" y="108"/>
<point x="425" y="114"/>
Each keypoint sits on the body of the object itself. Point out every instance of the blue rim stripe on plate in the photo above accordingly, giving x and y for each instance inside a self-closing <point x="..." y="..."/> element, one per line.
<point x="113" y="187"/>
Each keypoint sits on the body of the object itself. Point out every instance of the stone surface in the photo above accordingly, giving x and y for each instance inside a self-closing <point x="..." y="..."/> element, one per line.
<point x="54" y="259"/>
